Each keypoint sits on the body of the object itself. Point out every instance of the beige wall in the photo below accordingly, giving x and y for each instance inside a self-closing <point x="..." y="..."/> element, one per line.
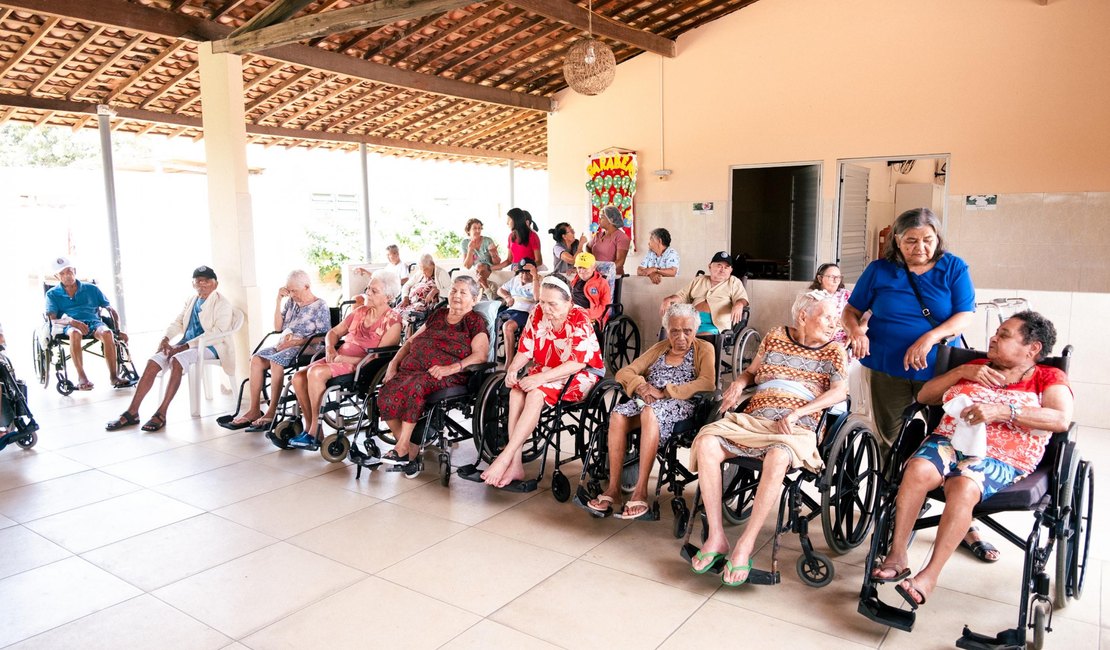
<point x="1015" y="92"/>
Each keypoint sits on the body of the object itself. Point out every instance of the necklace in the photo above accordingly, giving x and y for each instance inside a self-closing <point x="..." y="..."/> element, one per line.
<point x="1019" y="379"/>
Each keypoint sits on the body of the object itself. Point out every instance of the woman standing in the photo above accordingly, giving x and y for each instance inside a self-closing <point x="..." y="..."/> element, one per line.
<point x="610" y="244"/>
<point x="566" y="248"/>
<point x="523" y="241"/>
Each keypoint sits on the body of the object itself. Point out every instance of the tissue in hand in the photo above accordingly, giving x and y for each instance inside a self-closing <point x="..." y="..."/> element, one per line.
<point x="968" y="439"/>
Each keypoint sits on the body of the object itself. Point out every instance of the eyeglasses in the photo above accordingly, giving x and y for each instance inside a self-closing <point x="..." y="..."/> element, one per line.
<point x="832" y="277"/>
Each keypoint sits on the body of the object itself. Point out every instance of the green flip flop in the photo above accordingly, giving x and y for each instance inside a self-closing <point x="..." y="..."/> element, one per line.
<point x="729" y="569"/>
<point x="712" y="556"/>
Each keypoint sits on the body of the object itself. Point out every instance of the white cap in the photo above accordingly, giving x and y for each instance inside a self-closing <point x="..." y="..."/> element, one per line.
<point x="62" y="263"/>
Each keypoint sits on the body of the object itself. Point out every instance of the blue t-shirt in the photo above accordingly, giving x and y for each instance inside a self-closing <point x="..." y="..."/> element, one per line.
<point x="896" y="319"/>
<point x="194" y="328"/>
<point x="82" y="306"/>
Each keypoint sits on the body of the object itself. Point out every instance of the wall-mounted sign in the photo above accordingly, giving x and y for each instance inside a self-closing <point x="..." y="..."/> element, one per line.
<point x="705" y="207"/>
<point x="980" y="201"/>
<point x="611" y="180"/>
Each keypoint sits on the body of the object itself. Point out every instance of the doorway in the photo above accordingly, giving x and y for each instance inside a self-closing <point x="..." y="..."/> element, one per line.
<point x="775" y="220"/>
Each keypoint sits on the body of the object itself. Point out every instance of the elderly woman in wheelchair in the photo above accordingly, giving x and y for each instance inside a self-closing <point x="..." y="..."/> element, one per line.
<point x="560" y="343"/>
<point x="436" y="357"/>
<point x="662" y="382"/>
<point x="798" y="372"/>
<point x="999" y="414"/>
<point x="373" y="325"/>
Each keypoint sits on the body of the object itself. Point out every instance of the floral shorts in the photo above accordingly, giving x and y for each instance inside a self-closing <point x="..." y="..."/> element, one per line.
<point x="990" y="474"/>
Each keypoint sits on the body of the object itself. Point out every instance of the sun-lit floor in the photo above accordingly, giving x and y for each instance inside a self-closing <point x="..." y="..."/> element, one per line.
<point x="198" y="537"/>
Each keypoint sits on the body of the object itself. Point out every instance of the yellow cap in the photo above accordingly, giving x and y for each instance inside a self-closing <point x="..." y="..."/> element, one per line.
<point x="584" y="260"/>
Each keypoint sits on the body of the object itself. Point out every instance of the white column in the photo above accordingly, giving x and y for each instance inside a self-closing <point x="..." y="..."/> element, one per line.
<point x="229" y="199"/>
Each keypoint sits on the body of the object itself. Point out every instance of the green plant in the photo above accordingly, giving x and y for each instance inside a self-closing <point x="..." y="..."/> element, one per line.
<point x="329" y="250"/>
<point x="422" y="235"/>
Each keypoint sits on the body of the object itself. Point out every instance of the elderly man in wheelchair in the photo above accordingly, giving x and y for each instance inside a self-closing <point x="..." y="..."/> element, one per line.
<point x="75" y="307"/>
<point x="999" y="413"/>
<point x="799" y="372"/>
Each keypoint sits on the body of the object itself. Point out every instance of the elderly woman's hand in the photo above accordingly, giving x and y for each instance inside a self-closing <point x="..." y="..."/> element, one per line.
<point x="861" y="346"/>
<point x="786" y="423"/>
<point x="390" y="372"/>
<point x="986" y="413"/>
<point x="330" y="353"/>
<point x="983" y="374"/>
<point x="439" y="372"/>
<point x="512" y="379"/>
<point x="917" y="356"/>
<point x="731" y="397"/>
<point x="529" y="383"/>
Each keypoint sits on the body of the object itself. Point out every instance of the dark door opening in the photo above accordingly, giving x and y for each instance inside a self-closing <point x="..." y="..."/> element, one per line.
<point x="774" y="221"/>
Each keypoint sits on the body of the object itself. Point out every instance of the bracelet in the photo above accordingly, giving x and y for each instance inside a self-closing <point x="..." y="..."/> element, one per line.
<point x="1013" y="413"/>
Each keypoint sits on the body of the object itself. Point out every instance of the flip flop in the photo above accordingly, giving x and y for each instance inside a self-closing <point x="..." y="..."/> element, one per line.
<point x="729" y="568"/>
<point x="981" y="549"/>
<point x="124" y="420"/>
<point x="155" y="423"/>
<point x="689" y="552"/>
<point x="259" y="425"/>
<point x="85" y="385"/>
<point x="900" y="574"/>
<point x="907" y="594"/>
<point x="123" y="383"/>
<point x="598" y="512"/>
<point x="228" y="422"/>
<point x="643" y="516"/>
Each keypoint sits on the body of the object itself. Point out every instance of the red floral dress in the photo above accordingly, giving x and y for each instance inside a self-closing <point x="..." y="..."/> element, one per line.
<point x="439" y="344"/>
<point x="550" y="348"/>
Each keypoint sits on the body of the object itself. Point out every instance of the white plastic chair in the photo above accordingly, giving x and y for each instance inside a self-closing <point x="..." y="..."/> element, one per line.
<point x="198" y="375"/>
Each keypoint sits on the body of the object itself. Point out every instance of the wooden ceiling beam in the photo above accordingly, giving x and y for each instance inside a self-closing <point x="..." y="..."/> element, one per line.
<point x="28" y="45"/>
<point x="499" y="40"/>
<point x="570" y="13"/>
<point x="341" y="105"/>
<point x="263" y="76"/>
<point x="284" y="104"/>
<point x="65" y="59"/>
<point x="391" y="95"/>
<point x="169" y="85"/>
<point x="186" y="123"/>
<point x="441" y="115"/>
<point x="373" y="13"/>
<point x="276" y="12"/>
<point x="402" y="115"/>
<point x="133" y="16"/>
<point x="478" y="35"/>
<point x="313" y="105"/>
<point x="477" y="115"/>
<point x="154" y="62"/>
<point x="512" y="49"/>
<point x="278" y="89"/>
<point x="108" y="62"/>
<point x="462" y="24"/>
<point x="400" y="36"/>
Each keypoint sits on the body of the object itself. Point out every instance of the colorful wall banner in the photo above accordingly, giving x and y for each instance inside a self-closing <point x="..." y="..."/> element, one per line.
<point x="611" y="180"/>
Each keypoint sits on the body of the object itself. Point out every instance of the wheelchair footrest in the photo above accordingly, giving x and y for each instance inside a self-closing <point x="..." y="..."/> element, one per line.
<point x="472" y="473"/>
<point x="761" y="578"/>
<point x="1005" y="640"/>
<point x="879" y="612"/>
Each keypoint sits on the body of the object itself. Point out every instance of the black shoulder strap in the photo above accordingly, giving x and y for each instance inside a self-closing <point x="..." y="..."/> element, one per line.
<point x="921" y="302"/>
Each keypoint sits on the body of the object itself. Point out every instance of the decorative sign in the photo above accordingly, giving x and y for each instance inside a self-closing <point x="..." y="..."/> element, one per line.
<point x="705" y="207"/>
<point x="611" y="180"/>
<point x="981" y="202"/>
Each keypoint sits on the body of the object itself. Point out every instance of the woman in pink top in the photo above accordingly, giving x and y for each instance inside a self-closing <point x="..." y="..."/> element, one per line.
<point x="610" y="243"/>
<point x="523" y="241"/>
<point x="374" y="325"/>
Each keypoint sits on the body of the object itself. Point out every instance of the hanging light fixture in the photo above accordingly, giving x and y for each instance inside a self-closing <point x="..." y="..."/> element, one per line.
<point x="589" y="66"/>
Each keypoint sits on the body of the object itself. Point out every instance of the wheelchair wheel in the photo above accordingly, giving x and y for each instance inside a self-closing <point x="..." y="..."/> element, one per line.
<point x="1065" y="541"/>
<point x="1040" y="625"/>
<point x="285" y="431"/>
<point x="600" y="402"/>
<point x="491" y="417"/>
<point x="681" y="516"/>
<point x="738" y="507"/>
<point x="560" y="487"/>
<point x="743" y="351"/>
<point x="42" y="362"/>
<point x="28" y="440"/>
<point x="621" y="343"/>
<point x="444" y="469"/>
<point x="850" y="487"/>
<point x="335" y="448"/>
<point x="630" y="472"/>
<point x="375" y="426"/>
<point x="817" y="572"/>
<point x="65" y="387"/>
<point x="1073" y="550"/>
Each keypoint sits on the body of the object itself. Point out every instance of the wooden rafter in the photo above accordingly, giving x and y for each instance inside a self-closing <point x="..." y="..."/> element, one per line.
<point x="442" y="114"/>
<point x="353" y="101"/>
<point x="132" y="16"/>
<point x="153" y="63"/>
<point x="509" y="51"/>
<point x="276" y="12"/>
<point x="224" y="8"/>
<point x="478" y="35"/>
<point x="499" y="40"/>
<point x="28" y="45"/>
<point x="65" y="59"/>
<point x="390" y="96"/>
<point x="374" y="12"/>
<point x="284" y="104"/>
<point x="570" y="13"/>
<point x="313" y="105"/>
<point x="401" y="115"/>
<point x="263" y="76"/>
<point x="108" y="62"/>
<point x="443" y="34"/>
<point x="476" y="114"/>
<point x="278" y="89"/>
<point x="169" y="85"/>
<point x="400" y="36"/>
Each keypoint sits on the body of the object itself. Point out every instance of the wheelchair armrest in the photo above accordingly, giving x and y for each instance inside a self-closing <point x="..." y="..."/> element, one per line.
<point x="478" y="367"/>
<point x="373" y="354"/>
<point x="263" y="342"/>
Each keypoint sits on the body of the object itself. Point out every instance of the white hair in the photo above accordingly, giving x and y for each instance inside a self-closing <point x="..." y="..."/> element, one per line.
<point x="808" y="302"/>
<point x="469" y="282"/>
<point x="391" y="284"/>
<point x="681" y="310"/>
<point x="427" y="260"/>
<point x="300" y="278"/>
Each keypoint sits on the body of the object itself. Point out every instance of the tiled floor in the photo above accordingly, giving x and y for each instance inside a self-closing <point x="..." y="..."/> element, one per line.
<point x="196" y="537"/>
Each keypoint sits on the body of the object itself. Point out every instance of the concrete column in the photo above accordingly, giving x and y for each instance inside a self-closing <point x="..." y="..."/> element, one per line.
<point x="365" y="171"/>
<point x="103" y="117"/>
<point x="229" y="200"/>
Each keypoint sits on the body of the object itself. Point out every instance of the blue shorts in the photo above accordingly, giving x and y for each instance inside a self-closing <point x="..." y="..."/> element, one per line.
<point x="705" y="325"/>
<point x="517" y="316"/>
<point x="93" y="326"/>
<point x="990" y="474"/>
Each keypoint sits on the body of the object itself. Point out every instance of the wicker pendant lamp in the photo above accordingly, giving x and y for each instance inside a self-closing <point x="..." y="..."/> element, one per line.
<point x="589" y="66"/>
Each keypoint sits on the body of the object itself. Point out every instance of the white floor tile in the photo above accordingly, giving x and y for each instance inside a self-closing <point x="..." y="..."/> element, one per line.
<point x="708" y="628"/>
<point x="287" y="511"/>
<point x="61" y="494"/>
<point x="487" y="634"/>
<point x="41" y="599"/>
<point x="88" y="527"/>
<point x="463" y="501"/>
<point x="30" y="467"/>
<point x="226" y="485"/>
<point x="24" y="550"/>
<point x="120" y="448"/>
<point x="171" y="465"/>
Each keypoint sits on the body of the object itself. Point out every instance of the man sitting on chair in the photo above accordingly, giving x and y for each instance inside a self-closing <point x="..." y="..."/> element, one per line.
<point x="719" y="297"/>
<point x="74" y="305"/>
<point x="206" y="313"/>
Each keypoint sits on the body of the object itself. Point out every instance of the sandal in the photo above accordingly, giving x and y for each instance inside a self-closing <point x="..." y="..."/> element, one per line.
<point x="391" y="457"/>
<point x="900" y="573"/>
<point x="85" y="385"/>
<point x="644" y="514"/>
<point x="126" y="419"/>
<point x="603" y="499"/>
<point x="155" y="423"/>
<point x="122" y="383"/>
<point x="729" y="568"/>
<point x="908" y="592"/>
<point x="980" y="548"/>
<point x="259" y="424"/>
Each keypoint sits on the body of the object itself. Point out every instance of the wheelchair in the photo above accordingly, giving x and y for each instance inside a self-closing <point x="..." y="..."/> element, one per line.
<point x="17" y="424"/>
<point x="50" y="350"/>
<point x="437" y="426"/>
<point x="847" y="489"/>
<point x="736" y="346"/>
<point x="619" y="337"/>
<point x="578" y="419"/>
<point x="1059" y="494"/>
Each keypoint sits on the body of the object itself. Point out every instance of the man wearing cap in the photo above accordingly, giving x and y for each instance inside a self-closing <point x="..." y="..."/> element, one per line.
<point x="75" y="305"/>
<point x="719" y="297"/>
<point x="589" y="289"/>
<point x="207" y="312"/>
<point x="519" y="294"/>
